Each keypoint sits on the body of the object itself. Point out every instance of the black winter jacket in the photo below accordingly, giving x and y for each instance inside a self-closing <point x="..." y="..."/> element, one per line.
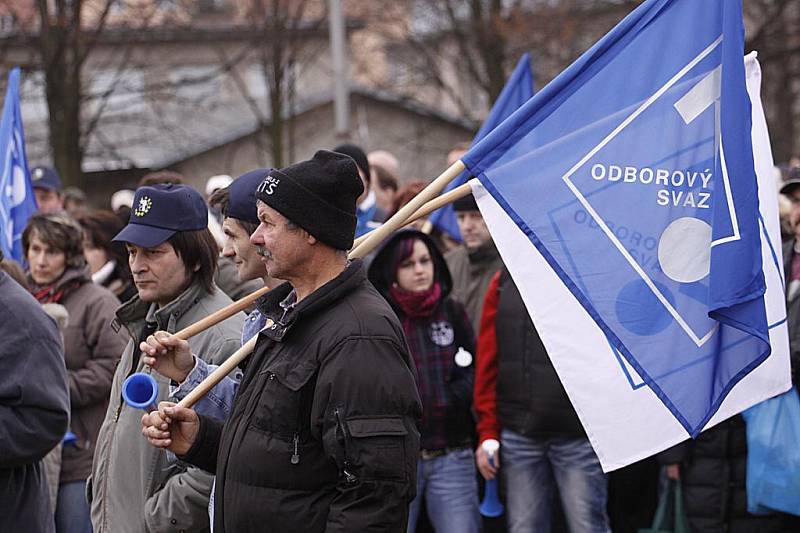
<point x="713" y="474"/>
<point x="530" y="398"/>
<point x="323" y="432"/>
<point x="792" y="307"/>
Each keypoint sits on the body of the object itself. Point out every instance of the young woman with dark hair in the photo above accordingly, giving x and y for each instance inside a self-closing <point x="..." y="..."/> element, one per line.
<point x="58" y="274"/>
<point x="411" y="274"/>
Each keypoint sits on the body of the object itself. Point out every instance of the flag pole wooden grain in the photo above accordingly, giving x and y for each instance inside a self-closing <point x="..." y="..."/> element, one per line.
<point x="228" y="366"/>
<point x="221" y="314"/>
<point x="399" y="219"/>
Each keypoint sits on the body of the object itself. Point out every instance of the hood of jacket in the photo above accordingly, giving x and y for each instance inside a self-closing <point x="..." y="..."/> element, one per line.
<point x="380" y="271"/>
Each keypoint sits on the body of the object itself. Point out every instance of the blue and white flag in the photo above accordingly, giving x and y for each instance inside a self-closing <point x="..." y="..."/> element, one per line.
<point x="17" y="202"/>
<point x="517" y="90"/>
<point x="624" y="200"/>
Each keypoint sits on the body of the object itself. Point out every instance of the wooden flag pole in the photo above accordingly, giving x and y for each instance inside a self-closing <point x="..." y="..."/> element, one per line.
<point x="217" y="375"/>
<point x="218" y="316"/>
<point x="398" y="220"/>
<point x="428" y="208"/>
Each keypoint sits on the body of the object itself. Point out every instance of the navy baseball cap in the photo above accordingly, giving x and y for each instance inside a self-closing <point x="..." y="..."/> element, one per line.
<point x="159" y="211"/>
<point x="45" y="178"/>
<point x="242" y="193"/>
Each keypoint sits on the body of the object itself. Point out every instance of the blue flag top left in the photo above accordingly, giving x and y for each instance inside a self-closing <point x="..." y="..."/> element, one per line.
<point x="632" y="174"/>
<point x="17" y="202"/>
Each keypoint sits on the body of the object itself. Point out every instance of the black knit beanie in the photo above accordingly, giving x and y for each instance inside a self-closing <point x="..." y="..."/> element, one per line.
<point x="319" y="195"/>
<point x="358" y="156"/>
<point x="465" y="203"/>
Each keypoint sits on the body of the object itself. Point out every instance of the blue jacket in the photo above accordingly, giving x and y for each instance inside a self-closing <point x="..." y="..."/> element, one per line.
<point x="34" y="407"/>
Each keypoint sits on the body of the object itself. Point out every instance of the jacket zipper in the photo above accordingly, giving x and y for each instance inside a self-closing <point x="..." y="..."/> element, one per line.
<point x="296" y="438"/>
<point x="296" y="455"/>
<point x="349" y="477"/>
<point x="108" y="469"/>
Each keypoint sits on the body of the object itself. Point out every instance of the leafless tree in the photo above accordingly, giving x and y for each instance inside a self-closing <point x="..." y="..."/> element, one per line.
<point x="60" y="36"/>
<point x="773" y="29"/>
<point x="484" y="38"/>
<point x="465" y="49"/>
<point x="281" y="50"/>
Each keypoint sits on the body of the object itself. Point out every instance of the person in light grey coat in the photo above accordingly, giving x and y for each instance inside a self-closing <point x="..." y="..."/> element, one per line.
<point x="34" y="407"/>
<point x="135" y="487"/>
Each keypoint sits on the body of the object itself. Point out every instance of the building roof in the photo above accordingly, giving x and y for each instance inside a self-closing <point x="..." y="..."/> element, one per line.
<point x="138" y="133"/>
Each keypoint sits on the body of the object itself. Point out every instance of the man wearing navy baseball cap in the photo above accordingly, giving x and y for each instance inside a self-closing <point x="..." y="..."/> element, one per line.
<point x="240" y="270"/>
<point x="237" y="203"/>
<point x="323" y="434"/>
<point x="47" y="189"/>
<point x="173" y="257"/>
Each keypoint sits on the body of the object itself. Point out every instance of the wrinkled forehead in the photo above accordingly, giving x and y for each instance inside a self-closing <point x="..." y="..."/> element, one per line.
<point x="267" y="213"/>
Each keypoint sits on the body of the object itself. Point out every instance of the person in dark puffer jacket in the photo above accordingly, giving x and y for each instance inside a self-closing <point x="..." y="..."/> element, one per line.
<point x="712" y="470"/>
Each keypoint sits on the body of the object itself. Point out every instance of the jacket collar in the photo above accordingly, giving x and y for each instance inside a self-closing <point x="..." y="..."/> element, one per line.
<point x="280" y="319"/>
<point x="369" y="203"/>
<point x="136" y="310"/>
<point x="483" y="254"/>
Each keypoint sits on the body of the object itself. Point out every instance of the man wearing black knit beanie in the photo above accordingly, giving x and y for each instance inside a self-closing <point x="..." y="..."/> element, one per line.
<point x="323" y="434"/>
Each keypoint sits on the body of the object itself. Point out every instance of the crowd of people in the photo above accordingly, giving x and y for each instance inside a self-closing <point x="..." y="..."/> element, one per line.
<point x="371" y="390"/>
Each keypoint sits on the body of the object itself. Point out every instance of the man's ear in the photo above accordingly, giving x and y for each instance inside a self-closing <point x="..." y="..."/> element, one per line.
<point x="196" y="268"/>
<point x="310" y="239"/>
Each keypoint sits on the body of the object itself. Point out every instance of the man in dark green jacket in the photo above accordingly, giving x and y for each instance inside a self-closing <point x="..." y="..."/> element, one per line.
<point x="34" y="407"/>
<point x="473" y="264"/>
<point x="323" y="433"/>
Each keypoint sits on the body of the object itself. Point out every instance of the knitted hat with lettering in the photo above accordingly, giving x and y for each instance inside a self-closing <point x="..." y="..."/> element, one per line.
<point x="319" y="195"/>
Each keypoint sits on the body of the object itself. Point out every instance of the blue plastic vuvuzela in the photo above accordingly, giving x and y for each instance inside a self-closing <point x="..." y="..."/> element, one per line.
<point x="140" y="391"/>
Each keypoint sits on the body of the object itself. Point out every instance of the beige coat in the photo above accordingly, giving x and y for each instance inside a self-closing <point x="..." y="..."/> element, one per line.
<point x="91" y="351"/>
<point x="135" y="487"/>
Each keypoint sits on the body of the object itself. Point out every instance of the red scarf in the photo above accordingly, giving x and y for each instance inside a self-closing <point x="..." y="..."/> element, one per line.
<point x="52" y="295"/>
<point x="417" y="304"/>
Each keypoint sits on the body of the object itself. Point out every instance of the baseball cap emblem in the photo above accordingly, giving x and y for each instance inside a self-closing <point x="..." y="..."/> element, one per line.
<point x="38" y="174"/>
<point x="145" y="203"/>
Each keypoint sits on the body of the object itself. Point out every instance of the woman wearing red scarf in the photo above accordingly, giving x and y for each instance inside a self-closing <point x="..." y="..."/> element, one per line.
<point x="411" y="274"/>
<point x="58" y="274"/>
